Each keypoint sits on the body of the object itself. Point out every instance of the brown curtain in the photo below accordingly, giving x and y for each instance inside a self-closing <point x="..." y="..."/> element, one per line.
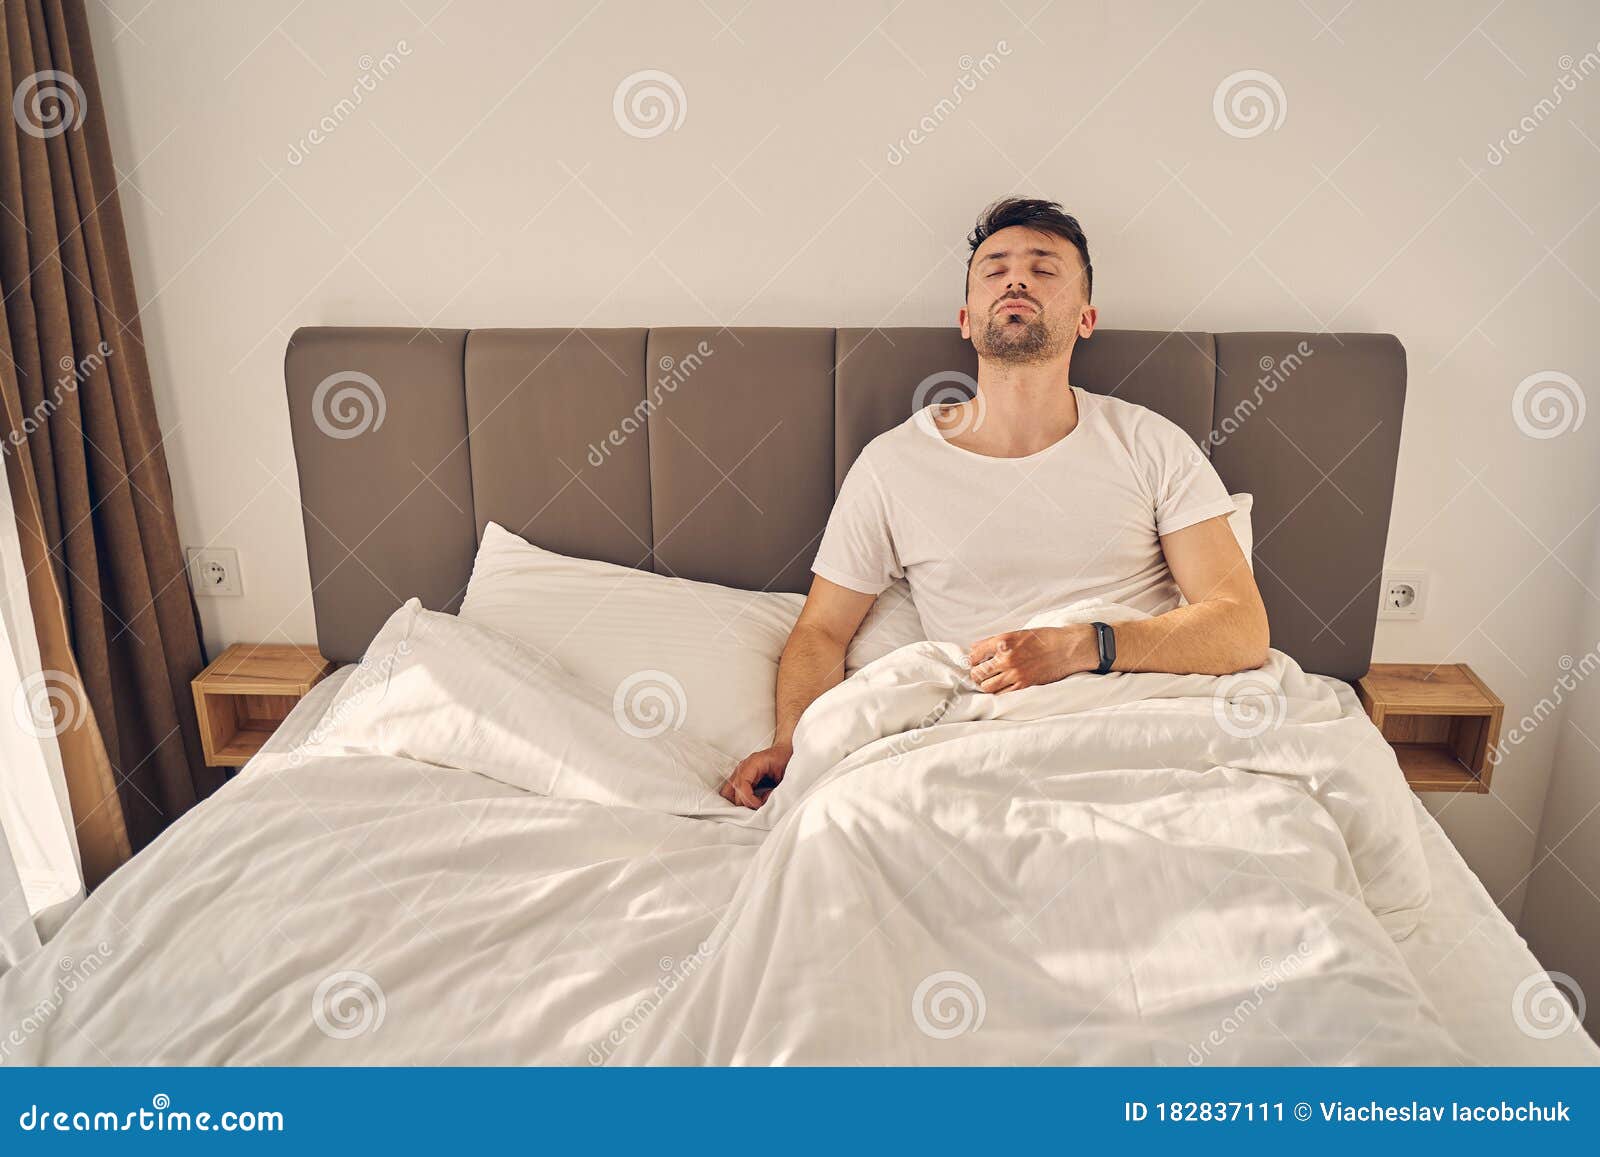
<point x="84" y="456"/>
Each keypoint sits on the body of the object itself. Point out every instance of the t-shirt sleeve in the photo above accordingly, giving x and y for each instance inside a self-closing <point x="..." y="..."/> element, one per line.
<point x="857" y="549"/>
<point x="1186" y="486"/>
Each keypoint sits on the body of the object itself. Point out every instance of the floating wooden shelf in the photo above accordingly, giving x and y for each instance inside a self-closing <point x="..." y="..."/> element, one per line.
<point x="247" y="692"/>
<point x="1441" y="720"/>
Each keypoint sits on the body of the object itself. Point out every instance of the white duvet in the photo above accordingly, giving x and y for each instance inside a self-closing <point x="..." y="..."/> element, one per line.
<point x="475" y="859"/>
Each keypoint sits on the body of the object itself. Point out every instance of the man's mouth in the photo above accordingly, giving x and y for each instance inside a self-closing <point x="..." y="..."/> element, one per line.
<point x="1016" y="306"/>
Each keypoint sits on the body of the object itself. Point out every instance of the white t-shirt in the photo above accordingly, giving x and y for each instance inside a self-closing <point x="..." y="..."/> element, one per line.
<point x="987" y="543"/>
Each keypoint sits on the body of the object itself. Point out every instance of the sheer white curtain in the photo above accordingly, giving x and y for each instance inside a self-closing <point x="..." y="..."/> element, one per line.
<point x="40" y="878"/>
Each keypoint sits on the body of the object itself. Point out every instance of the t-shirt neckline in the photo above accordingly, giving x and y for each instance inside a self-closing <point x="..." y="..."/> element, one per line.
<point x="924" y="422"/>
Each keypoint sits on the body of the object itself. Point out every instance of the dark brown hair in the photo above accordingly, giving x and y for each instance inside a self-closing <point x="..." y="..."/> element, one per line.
<point x="1032" y="213"/>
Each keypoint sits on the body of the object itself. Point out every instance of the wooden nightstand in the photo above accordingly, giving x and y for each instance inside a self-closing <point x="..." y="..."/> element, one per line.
<point x="246" y="692"/>
<point x="1441" y="720"/>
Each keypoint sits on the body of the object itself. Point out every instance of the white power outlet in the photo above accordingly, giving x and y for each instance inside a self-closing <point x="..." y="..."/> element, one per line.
<point x="214" y="570"/>
<point x="1404" y="594"/>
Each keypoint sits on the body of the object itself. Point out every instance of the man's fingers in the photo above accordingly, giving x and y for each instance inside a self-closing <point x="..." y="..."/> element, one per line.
<point x="739" y="785"/>
<point x="996" y="682"/>
<point x="981" y="669"/>
<point x="989" y="669"/>
<point x="985" y="649"/>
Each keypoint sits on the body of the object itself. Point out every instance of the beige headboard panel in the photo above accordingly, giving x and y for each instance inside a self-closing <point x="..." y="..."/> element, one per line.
<point x="715" y="453"/>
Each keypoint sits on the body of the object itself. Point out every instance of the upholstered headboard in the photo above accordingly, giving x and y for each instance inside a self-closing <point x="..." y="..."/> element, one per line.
<point x="715" y="453"/>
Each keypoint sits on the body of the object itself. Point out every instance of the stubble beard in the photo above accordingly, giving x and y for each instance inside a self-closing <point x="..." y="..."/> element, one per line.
<point x="1030" y="343"/>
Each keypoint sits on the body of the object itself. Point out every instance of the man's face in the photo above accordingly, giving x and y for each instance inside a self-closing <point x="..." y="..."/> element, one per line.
<point x="1025" y="297"/>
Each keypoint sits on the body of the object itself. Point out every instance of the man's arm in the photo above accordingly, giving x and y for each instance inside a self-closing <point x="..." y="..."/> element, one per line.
<point x="812" y="662"/>
<point x="1222" y="630"/>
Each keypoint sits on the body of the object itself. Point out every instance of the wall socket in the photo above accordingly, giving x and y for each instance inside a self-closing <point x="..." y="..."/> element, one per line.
<point x="214" y="571"/>
<point x="1404" y="594"/>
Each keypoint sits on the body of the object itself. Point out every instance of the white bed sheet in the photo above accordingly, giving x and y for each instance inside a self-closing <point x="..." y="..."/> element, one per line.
<point x="1465" y="956"/>
<point x="1471" y="962"/>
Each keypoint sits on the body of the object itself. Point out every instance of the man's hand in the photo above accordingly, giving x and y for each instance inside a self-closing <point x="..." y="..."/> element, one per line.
<point x="749" y="784"/>
<point x="1016" y="659"/>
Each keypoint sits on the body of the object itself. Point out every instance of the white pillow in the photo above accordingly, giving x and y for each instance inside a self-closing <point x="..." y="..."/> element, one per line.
<point x="708" y="653"/>
<point x="445" y="691"/>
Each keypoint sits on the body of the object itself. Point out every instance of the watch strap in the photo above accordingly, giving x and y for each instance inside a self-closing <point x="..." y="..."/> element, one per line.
<point x="1106" y="643"/>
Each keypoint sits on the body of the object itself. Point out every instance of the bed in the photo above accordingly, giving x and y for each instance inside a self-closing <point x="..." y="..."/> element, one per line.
<point x="457" y="850"/>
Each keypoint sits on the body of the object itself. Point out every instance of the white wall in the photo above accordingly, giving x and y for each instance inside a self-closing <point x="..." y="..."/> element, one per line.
<point x="485" y="181"/>
<point x="1561" y="918"/>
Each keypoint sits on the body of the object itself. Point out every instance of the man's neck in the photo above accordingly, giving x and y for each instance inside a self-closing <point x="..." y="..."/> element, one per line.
<point x="1025" y="408"/>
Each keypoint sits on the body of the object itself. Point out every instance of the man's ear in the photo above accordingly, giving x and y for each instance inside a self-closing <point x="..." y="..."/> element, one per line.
<point x="1087" y="320"/>
<point x="961" y="320"/>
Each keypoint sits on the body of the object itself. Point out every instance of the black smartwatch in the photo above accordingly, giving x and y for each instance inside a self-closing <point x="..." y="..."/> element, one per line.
<point x="1105" y="640"/>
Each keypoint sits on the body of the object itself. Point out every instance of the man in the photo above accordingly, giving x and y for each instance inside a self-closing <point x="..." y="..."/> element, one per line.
<point x="1032" y="495"/>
